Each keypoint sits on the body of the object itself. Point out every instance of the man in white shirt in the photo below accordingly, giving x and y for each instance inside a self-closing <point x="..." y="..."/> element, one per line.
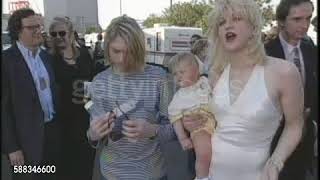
<point x="30" y="131"/>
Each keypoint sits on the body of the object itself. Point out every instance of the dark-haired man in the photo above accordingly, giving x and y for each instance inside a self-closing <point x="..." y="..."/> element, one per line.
<point x="30" y="136"/>
<point x="294" y="18"/>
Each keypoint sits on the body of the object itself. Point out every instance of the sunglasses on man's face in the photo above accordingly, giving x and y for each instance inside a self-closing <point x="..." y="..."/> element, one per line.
<point x="60" y="33"/>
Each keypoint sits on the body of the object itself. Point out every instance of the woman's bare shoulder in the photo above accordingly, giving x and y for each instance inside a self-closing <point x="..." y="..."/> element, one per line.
<point x="279" y="67"/>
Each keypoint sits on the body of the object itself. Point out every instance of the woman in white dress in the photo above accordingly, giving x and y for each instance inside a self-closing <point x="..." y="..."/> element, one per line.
<point x="251" y="93"/>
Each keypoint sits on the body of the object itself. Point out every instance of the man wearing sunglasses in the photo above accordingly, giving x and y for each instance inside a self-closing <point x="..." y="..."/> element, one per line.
<point x="30" y="136"/>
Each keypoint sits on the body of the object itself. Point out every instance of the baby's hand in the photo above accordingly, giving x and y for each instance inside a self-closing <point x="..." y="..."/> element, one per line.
<point x="186" y="143"/>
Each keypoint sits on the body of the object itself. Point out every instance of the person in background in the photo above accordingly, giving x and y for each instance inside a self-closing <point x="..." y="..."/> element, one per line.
<point x="79" y="41"/>
<point x="129" y="143"/>
<point x="200" y="50"/>
<point x="30" y="124"/>
<point x="194" y="38"/>
<point x="73" y="66"/>
<point x="98" y="54"/>
<point x="47" y="42"/>
<point x="293" y="17"/>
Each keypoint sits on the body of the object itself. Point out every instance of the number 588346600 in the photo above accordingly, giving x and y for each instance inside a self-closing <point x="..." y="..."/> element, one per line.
<point x="34" y="169"/>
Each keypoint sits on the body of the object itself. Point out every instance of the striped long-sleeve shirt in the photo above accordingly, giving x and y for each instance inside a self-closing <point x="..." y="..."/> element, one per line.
<point x="141" y="160"/>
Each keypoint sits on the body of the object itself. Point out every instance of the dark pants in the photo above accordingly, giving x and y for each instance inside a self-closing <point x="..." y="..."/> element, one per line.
<point x="51" y="154"/>
<point x="192" y="162"/>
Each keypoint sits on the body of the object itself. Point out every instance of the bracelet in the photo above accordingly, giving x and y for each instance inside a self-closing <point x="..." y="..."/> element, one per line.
<point x="275" y="160"/>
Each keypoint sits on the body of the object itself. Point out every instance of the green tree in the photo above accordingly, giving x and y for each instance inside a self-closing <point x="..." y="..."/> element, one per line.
<point x="267" y="11"/>
<point x="195" y="14"/>
<point x="188" y="14"/>
<point x="153" y="19"/>
<point x="92" y="29"/>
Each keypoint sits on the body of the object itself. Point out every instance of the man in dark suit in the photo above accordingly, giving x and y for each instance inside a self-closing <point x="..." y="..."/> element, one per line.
<point x="293" y="18"/>
<point x="30" y="136"/>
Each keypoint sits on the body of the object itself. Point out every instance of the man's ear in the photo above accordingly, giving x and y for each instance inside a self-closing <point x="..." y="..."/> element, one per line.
<point x="281" y="24"/>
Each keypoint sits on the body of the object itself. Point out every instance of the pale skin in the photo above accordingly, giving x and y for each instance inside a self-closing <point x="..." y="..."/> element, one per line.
<point x="283" y="83"/>
<point x="64" y="43"/>
<point x="132" y="128"/>
<point x="297" y="23"/>
<point x="186" y="75"/>
<point x="30" y="37"/>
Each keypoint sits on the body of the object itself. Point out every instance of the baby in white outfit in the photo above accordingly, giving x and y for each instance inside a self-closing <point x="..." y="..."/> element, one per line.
<point x="192" y="99"/>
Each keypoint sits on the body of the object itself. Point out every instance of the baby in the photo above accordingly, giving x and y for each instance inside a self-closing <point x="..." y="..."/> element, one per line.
<point x="192" y="99"/>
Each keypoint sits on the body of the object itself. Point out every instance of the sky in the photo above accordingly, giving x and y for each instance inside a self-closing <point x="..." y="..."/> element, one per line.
<point x="141" y="9"/>
<point x="137" y="9"/>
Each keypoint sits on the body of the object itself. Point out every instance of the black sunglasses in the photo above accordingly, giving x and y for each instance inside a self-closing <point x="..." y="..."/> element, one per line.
<point x="60" y="33"/>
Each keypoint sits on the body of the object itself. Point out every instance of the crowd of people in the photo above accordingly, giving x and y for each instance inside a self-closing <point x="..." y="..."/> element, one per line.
<point x="243" y="108"/>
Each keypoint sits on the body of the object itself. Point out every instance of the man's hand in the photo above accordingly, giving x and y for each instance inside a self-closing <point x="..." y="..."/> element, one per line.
<point x="100" y="127"/>
<point x="186" y="143"/>
<point x="16" y="158"/>
<point x="139" y="128"/>
<point x="269" y="172"/>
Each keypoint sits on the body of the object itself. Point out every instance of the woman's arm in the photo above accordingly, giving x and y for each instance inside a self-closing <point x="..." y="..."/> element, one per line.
<point x="292" y="102"/>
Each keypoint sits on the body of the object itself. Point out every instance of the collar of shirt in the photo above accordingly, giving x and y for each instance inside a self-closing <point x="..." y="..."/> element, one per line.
<point x="33" y="62"/>
<point x="39" y="72"/>
<point x="27" y="53"/>
<point x="289" y="55"/>
<point x="288" y="48"/>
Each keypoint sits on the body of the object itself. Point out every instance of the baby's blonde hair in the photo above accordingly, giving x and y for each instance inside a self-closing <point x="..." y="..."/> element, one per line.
<point x="182" y="57"/>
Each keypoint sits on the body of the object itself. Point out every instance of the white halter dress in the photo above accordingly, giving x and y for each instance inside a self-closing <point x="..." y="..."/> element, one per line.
<point x="245" y="128"/>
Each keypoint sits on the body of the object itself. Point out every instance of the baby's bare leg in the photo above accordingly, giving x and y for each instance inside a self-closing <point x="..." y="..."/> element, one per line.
<point x="202" y="146"/>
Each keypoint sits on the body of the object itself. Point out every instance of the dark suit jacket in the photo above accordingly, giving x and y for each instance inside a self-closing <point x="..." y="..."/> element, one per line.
<point x="274" y="49"/>
<point x="22" y="115"/>
<point x="309" y="53"/>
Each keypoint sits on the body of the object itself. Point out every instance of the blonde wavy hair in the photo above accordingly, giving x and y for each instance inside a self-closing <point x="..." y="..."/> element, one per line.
<point x="250" y="11"/>
<point x="128" y="29"/>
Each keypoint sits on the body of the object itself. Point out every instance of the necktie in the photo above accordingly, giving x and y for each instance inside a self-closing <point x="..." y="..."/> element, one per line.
<point x="296" y="59"/>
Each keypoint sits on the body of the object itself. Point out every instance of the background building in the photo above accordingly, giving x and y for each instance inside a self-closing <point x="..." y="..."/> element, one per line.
<point x="83" y="13"/>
